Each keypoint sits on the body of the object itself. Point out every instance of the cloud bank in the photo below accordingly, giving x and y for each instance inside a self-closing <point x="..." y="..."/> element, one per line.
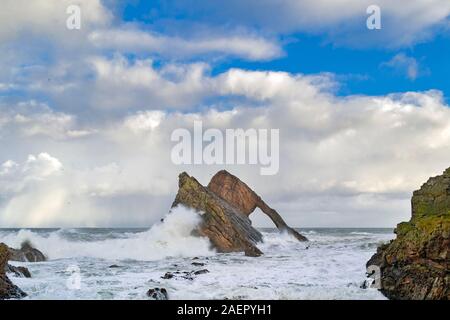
<point x="86" y="118"/>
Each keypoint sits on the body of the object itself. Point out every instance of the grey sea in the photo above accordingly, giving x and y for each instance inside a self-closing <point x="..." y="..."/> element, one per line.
<point x="104" y="263"/>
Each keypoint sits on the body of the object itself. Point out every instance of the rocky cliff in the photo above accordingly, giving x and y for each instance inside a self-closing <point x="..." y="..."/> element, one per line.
<point x="7" y="289"/>
<point x="225" y="206"/>
<point x="416" y="265"/>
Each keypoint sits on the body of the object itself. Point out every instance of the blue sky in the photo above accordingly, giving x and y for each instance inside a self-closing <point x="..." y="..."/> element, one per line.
<point x="87" y="114"/>
<point x="360" y="70"/>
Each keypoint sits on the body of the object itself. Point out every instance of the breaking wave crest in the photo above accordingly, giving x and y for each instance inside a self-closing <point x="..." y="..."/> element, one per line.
<point x="170" y="238"/>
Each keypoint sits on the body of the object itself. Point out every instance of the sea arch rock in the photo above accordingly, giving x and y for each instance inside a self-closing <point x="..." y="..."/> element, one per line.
<point x="227" y="228"/>
<point x="225" y="211"/>
<point x="237" y="193"/>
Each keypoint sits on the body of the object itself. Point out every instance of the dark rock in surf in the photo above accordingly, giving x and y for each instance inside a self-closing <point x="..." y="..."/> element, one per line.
<point x="26" y="253"/>
<point x="251" y="252"/>
<point x="18" y="271"/>
<point x="158" y="294"/>
<point x="186" y="275"/>
<point x="203" y="271"/>
<point x="198" y="264"/>
<point x="168" y="275"/>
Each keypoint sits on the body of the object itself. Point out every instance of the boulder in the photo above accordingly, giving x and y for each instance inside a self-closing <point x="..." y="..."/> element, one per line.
<point x="158" y="294"/>
<point x="416" y="264"/>
<point x="18" y="271"/>
<point x="7" y="289"/>
<point x="237" y="193"/>
<point x="228" y="229"/>
<point x="198" y="264"/>
<point x="186" y="275"/>
<point x="203" y="271"/>
<point x="26" y="253"/>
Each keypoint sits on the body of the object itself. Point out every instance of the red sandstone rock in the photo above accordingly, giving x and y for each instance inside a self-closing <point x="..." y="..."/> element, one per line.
<point x="237" y="193"/>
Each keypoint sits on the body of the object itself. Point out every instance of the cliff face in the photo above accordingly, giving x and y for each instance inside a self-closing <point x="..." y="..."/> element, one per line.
<point x="416" y="265"/>
<point x="225" y="206"/>
<point x="7" y="289"/>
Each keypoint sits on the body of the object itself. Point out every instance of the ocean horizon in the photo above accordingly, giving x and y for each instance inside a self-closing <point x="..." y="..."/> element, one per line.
<point x="123" y="263"/>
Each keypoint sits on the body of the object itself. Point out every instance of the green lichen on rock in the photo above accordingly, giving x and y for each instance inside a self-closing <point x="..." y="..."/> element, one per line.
<point x="227" y="228"/>
<point x="416" y="264"/>
<point x="433" y="198"/>
<point x="225" y="206"/>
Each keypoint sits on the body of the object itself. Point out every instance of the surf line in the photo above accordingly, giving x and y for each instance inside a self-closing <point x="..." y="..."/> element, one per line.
<point x="200" y="311"/>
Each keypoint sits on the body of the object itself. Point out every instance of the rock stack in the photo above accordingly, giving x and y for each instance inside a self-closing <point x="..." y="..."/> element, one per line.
<point x="225" y="206"/>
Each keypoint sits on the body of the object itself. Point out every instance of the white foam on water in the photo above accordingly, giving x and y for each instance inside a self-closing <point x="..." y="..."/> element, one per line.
<point x="330" y="266"/>
<point x="171" y="238"/>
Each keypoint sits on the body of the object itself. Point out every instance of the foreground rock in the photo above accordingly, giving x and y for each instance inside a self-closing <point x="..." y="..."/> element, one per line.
<point x="18" y="271"/>
<point x="186" y="275"/>
<point x="225" y="206"/>
<point x="7" y="289"/>
<point x="416" y="264"/>
<point x="237" y="193"/>
<point x="26" y="253"/>
<point x="158" y="294"/>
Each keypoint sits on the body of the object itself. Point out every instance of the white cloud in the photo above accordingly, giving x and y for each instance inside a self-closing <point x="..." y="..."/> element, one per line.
<point x="343" y="20"/>
<point x="31" y="118"/>
<point x="25" y="20"/>
<point x="145" y="121"/>
<point x="121" y="84"/>
<point x="404" y="64"/>
<point x="19" y="18"/>
<point x="41" y="166"/>
<point x="135" y="40"/>
<point x="347" y="161"/>
<point x="16" y="177"/>
<point x="352" y="159"/>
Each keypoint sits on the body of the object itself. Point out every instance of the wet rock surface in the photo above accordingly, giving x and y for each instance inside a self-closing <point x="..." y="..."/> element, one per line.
<point x="227" y="228"/>
<point x="26" y="253"/>
<point x="186" y="275"/>
<point x="20" y="271"/>
<point x="240" y="195"/>
<point x="416" y="265"/>
<point x="158" y="294"/>
<point x="224" y="207"/>
<point x="7" y="289"/>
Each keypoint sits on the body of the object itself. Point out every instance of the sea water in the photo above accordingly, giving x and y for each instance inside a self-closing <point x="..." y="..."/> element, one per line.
<point x="125" y="263"/>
